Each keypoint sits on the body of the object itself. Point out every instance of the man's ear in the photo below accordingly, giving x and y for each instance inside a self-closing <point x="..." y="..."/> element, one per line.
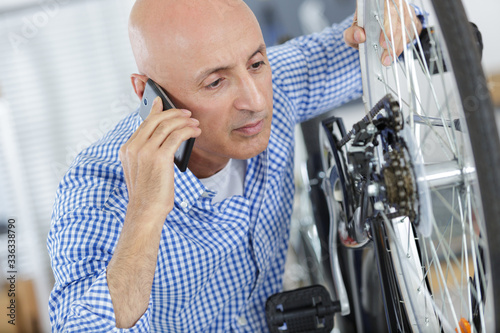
<point x="139" y="83"/>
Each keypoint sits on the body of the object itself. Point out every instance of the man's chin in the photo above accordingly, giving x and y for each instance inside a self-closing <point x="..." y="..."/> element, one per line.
<point x="249" y="155"/>
<point x="252" y="146"/>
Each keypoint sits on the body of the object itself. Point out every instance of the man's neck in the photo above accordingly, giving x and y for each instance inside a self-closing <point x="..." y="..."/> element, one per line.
<point x="203" y="166"/>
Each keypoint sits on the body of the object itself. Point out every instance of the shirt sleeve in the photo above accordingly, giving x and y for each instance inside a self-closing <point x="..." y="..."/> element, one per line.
<point x="80" y="245"/>
<point x="421" y="15"/>
<point x="317" y="72"/>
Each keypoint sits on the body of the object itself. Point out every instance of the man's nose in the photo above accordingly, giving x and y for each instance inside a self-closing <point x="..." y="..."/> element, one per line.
<point x="250" y="95"/>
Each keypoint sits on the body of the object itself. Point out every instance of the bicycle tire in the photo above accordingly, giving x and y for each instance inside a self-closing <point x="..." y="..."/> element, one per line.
<point x="461" y="60"/>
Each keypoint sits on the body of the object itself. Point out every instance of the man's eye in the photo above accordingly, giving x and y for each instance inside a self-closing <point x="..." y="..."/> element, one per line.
<point x="215" y="84"/>
<point x="258" y="64"/>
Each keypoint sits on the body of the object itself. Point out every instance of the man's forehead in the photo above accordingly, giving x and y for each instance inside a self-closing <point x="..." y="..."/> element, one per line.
<point x="192" y="38"/>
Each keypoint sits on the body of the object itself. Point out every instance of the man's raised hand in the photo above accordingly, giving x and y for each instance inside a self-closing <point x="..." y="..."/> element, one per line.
<point x="393" y="41"/>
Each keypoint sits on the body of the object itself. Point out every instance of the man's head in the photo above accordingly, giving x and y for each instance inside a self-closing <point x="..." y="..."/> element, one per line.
<point x="209" y="55"/>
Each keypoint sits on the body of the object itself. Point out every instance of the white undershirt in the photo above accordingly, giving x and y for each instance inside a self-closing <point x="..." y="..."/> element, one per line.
<point x="227" y="182"/>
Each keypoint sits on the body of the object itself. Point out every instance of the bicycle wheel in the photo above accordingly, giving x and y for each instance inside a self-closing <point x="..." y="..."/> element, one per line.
<point x="437" y="225"/>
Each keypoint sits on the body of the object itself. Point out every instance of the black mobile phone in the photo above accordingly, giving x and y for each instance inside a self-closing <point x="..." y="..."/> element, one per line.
<point x="152" y="90"/>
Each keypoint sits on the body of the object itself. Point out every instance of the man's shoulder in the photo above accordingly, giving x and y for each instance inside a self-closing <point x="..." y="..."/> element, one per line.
<point x="104" y="152"/>
<point x="96" y="171"/>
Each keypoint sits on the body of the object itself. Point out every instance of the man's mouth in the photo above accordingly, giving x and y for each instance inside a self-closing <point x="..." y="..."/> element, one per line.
<point x="251" y="129"/>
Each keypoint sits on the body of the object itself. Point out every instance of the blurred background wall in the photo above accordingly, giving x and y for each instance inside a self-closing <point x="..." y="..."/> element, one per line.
<point x="64" y="82"/>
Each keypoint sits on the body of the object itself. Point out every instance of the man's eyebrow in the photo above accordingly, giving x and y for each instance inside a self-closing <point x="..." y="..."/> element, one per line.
<point x="261" y="49"/>
<point x="207" y="72"/>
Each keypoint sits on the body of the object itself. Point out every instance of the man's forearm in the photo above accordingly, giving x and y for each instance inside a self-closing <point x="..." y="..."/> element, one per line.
<point x="131" y="270"/>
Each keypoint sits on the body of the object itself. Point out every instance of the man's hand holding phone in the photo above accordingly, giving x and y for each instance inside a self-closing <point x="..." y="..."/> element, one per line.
<point x="148" y="158"/>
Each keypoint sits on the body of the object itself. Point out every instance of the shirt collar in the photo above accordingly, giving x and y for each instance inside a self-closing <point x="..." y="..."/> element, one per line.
<point x="188" y="189"/>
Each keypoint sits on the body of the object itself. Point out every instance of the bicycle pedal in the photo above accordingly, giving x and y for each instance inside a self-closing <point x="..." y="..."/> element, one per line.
<point x="305" y="310"/>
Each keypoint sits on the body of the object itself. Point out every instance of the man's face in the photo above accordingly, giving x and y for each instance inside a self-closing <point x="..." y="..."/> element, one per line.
<point x="220" y="72"/>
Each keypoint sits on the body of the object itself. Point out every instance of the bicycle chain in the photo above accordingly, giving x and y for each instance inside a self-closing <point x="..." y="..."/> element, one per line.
<point x="400" y="188"/>
<point x="387" y="103"/>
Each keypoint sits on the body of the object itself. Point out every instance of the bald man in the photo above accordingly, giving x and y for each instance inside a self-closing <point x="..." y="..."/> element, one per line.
<point x="135" y="243"/>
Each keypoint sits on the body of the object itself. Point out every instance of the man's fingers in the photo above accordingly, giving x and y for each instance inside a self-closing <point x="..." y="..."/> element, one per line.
<point x="166" y="128"/>
<point x="386" y="58"/>
<point x="148" y="126"/>
<point x="399" y="36"/>
<point x="153" y="136"/>
<point x="354" y="36"/>
<point x="162" y="144"/>
<point x="359" y="35"/>
<point x="157" y="106"/>
<point x="391" y="38"/>
<point x="174" y="140"/>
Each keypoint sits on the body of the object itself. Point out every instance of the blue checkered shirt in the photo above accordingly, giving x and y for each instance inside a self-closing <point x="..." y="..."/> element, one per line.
<point x="217" y="263"/>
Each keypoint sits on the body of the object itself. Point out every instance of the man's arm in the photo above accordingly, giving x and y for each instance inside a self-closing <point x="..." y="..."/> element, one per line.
<point x="315" y="73"/>
<point x="104" y="269"/>
<point x="81" y="243"/>
<point x="131" y="270"/>
<point x="148" y="163"/>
